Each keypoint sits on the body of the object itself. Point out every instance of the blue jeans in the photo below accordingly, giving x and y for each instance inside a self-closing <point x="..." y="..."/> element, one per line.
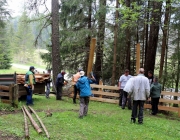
<point x="29" y="100"/>
<point x="47" y="89"/>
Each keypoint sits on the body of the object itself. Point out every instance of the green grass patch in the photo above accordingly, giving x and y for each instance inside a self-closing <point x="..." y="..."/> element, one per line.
<point x="12" y="70"/>
<point x="103" y="122"/>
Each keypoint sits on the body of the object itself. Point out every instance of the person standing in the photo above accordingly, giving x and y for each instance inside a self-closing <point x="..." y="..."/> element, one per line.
<point x="60" y="84"/>
<point x="123" y="94"/>
<point x="29" y="85"/>
<point x="155" y="93"/>
<point x="83" y="84"/>
<point x="140" y="93"/>
<point x="48" y="82"/>
<point x="75" y="79"/>
<point x="150" y="77"/>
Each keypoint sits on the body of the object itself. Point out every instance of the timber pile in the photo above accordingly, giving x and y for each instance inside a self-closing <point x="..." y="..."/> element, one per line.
<point x="40" y="78"/>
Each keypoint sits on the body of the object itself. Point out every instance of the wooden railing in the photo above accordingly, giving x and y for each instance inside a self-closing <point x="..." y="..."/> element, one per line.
<point x="10" y="93"/>
<point x="110" y="94"/>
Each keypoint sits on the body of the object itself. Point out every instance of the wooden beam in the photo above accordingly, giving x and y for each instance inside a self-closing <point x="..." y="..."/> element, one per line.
<point x="91" y="55"/>
<point x="2" y="87"/>
<point x="104" y="87"/>
<point x="170" y="93"/>
<point x="105" y="93"/>
<point x="137" y="57"/>
<point x="104" y="100"/>
<point x="6" y="94"/>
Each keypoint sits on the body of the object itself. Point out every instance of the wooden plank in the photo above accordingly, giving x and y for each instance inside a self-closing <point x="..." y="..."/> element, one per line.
<point x="169" y="101"/>
<point x="2" y="87"/>
<point x="91" y="55"/>
<point x="104" y="87"/>
<point x="166" y="108"/>
<point x="16" y="96"/>
<point x="105" y="93"/>
<point x="170" y="93"/>
<point x="6" y="101"/>
<point x="104" y="100"/>
<point x="6" y="94"/>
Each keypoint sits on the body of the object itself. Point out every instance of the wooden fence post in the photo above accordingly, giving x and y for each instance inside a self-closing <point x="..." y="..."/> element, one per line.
<point x="179" y="109"/>
<point x="100" y="89"/>
<point x="11" y="93"/>
<point x="16" y="95"/>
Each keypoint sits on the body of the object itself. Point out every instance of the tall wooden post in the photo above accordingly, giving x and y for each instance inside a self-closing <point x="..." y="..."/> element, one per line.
<point x="137" y="57"/>
<point x="91" y="55"/>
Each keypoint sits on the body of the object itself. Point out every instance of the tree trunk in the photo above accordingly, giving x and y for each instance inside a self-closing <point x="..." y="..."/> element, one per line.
<point x="88" y="39"/>
<point x="100" y="39"/>
<point x="56" y="61"/>
<point x="128" y="41"/>
<point x="178" y="69"/>
<point x="165" y="32"/>
<point x="115" y="45"/>
<point x="153" y="37"/>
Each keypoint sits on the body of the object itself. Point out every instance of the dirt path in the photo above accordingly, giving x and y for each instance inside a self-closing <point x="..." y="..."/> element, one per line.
<point x="5" y="136"/>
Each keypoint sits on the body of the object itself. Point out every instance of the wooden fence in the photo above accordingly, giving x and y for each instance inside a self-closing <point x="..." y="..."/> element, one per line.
<point x="110" y="94"/>
<point x="10" y="93"/>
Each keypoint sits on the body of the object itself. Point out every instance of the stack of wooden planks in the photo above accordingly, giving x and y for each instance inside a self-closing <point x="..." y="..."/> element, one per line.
<point x="40" y="78"/>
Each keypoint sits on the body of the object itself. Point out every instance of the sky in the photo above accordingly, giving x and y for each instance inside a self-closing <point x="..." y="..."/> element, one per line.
<point x="16" y="6"/>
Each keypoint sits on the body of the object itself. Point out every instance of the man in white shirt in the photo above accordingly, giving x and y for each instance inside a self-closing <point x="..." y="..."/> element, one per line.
<point x="123" y="94"/>
<point x="140" y="91"/>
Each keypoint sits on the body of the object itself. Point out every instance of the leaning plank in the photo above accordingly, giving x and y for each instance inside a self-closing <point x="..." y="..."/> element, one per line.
<point x="25" y="125"/>
<point x="45" y="130"/>
<point x="35" y="125"/>
<point x="2" y="87"/>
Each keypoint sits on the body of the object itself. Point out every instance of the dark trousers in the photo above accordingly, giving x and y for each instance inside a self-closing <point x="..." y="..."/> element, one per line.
<point x="47" y="89"/>
<point x="154" y="103"/>
<point x="75" y="94"/>
<point x="125" y="99"/>
<point x="59" y="92"/>
<point x="135" y="108"/>
<point x="29" y="100"/>
<point x="84" y="102"/>
<point x="120" y="97"/>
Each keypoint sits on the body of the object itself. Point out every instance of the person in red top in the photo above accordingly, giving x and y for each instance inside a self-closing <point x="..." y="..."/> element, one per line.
<point x="76" y="77"/>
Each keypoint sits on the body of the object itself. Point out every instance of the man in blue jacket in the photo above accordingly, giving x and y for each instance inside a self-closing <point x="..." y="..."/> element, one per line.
<point x="83" y="84"/>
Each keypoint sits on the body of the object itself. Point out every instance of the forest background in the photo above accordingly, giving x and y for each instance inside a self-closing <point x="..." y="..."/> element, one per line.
<point x="118" y="26"/>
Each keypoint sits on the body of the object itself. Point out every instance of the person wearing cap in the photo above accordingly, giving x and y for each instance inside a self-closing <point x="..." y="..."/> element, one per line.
<point x="48" y="82"/>
<point x="60" y="84"/>
<point x="155" y="93"/>
<point x="150" y="77"/>
<point x="139" y="92"/>
<point x="75" y="79"/>
<point x="83" y="84"/>
<point x="29" y="85"/>
<point x="123" y="94"/>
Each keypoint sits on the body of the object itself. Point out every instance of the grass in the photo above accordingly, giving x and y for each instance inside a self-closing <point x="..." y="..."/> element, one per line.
<point x="104" y="122"/>
<point x="12" y="70"/>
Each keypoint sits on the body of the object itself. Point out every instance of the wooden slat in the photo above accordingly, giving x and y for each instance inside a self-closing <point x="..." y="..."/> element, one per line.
<point x="2" y="87"/>
<point x="170" y="93"/>
<point x="169" y="101"/>
<point x="105" y="93"/>
<point x="5" y="101"/>
<point x="104" y="100"/>
<point x="166" y="108"/>
<point x="6" y="94"/>
<point x="104" y="87"/>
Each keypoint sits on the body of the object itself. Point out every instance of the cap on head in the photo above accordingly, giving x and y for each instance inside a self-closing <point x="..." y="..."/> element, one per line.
<point x="126" y="70"/>
<point x="63" y="72"/>
<point x="31" y="68"/>
<point x="81" y="73"/>
<point x="141" y="70"/>
<point x="80" y="69"/>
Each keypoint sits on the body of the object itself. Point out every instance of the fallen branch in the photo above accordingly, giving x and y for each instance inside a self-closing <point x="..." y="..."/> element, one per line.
<point x="25" y="125"/>
<point x="35" y="125"/>
<point x="45" y="130"/>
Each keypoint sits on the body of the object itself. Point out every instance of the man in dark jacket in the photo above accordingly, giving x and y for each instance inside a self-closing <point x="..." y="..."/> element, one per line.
<point x="59" y="85"/>
<point x="155" y="93"/>
<point x="83" y="84"/>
